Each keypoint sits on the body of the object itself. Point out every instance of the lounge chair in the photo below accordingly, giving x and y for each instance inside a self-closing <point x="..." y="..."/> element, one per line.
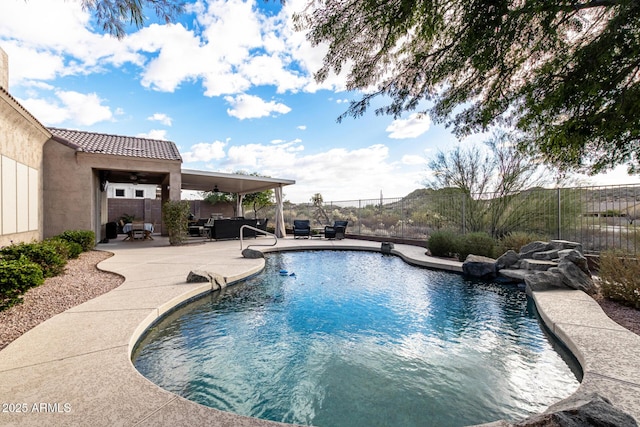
<point x="301" y="228"/>
<point x="336" y="231"/>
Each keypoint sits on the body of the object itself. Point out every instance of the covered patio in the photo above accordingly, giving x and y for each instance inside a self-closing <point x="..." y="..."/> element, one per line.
<point x="238" y="184"/>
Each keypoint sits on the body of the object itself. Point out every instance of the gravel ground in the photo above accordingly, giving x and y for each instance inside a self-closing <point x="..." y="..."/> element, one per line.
<point x="82" y="281"/>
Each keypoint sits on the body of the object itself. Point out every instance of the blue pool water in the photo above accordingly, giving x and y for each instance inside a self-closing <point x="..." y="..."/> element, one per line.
<point x="359" y="339"/>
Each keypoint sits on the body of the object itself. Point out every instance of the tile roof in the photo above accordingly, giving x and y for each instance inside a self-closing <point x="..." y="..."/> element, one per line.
<point x="117" y="145"/>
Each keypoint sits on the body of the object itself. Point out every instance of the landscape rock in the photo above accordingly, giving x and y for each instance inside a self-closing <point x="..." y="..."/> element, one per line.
<point x="575" y="257"/>
<point x="527" y="250"/>
<point x="565" y="244"/>
<point x="544" y="281"/>
<point x="513" y="274"/>
<point x="589" y="410"/>
<point x="252" y="253"/>
<point x="507" y="259"/>
<point x="537" y="264"/>
<point x="479" y="266"/>
<point x="575" y="278"/>
<point x="545" y="255"/>
<point x="199" y="276"/>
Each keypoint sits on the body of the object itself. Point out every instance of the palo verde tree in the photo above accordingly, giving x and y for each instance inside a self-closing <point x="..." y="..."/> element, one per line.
<point x="565" y="74"/>
<point x="490" y="186"/>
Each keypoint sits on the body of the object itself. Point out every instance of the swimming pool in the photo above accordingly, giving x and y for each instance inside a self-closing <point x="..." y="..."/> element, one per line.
<point x="355" y="338"/>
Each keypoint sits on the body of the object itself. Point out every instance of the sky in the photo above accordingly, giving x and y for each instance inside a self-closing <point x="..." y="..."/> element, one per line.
<point x="231" y="84"/>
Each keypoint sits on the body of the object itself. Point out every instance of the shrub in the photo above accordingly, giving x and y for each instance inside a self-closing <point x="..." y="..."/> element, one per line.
<point x="620" y="277"/>
<point x="85" y="238"/>
<point x="46" y="254"/>
<point x="175" y="215"/>
<point x="442" y="243"/>
<point x="517" y="240"/>
<point x="70" y="250"/>
<point x="16" y="276"/>
<point x="475" y="243"/>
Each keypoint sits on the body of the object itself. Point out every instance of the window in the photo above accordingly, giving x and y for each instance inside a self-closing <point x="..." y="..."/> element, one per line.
<point x="139" y="193"/>
<point x="119" y="192"/>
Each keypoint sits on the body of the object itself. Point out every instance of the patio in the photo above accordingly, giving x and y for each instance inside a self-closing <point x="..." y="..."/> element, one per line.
<point x="75" y="368"/>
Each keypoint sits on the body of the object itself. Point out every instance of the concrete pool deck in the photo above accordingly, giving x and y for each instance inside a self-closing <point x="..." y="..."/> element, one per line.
<point x="75" y="369"/>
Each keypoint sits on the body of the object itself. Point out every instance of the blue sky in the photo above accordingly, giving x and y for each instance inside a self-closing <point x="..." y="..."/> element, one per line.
<point x="231" y="84"/>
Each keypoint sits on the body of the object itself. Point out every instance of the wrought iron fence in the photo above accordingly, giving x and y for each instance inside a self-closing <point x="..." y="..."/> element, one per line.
<point x="601" y="218"/>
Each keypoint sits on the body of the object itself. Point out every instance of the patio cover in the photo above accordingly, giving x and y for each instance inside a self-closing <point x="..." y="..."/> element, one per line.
<point x="239" y="184"/>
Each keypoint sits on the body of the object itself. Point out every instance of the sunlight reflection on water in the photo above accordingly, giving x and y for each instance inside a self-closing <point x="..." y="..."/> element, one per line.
<point x="359" y="339"/>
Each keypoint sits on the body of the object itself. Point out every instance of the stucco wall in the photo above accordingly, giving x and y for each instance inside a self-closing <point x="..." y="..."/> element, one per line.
<point x="68" y="191"/>
<point x="21" y="161"/>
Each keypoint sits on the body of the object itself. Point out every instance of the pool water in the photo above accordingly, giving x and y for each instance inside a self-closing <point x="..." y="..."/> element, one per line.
<point x="341" y="338"/>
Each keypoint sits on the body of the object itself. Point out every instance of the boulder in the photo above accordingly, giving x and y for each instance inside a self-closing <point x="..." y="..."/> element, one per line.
<point x="507" y="259"/>
<point x="565" y="244"/>
<point x="252" y="253"/>
<point x="527" y="250"/>
<point x="386" y="247"/>
<point x="545" y="255"/>
<point x="588" y="410"/>
<point x="514" y="275"/>
<point x="479" y="266"/>
<point x="544" y="280"/>
<point x="575" y="257"/>
<point x="537" y="264"/>
<point x="198" y="276"/>
<point x="575" y="278"/>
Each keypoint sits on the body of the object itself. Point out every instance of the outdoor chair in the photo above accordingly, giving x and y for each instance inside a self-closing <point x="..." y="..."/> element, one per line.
<point x="138" y="231"/>
<point x="301" y="228"/>
<point x="336" y="231"/>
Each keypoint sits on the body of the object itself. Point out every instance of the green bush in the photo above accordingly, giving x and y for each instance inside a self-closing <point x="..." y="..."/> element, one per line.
<point x="443" y="243"/>
<point x="85" y="238"/>
<point x="16" y="277"/>
<point x="620" y="277"/>
<point x="517" y="240"/>
<point x="475" y="243"/>
<point x="175" y="215"/>
<point x="46" y="254"/>
<point x="70" y="250"/>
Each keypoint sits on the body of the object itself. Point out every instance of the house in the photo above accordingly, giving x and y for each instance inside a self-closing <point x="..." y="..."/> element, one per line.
<point x="52" y="179"/>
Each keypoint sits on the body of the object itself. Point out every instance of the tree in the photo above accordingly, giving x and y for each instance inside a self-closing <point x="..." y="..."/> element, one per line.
<point x="113" y="15"/>
<point x="566" y="74"/>
<point x="489" y="186"/>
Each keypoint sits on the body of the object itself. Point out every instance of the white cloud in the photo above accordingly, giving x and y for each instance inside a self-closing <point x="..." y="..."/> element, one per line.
<point x="412" y="127"/>
<point x="160" y="117"/>
<point x="413" y="160"/>
<point x="302" y="127"/>
<point x="155" y="134"/>
<point x="251" y="107"/>
<point x="205" y="152"/>
<point x="78" y="108"/>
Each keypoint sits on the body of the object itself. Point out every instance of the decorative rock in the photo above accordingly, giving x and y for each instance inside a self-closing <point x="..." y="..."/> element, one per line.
<point x="217" y="281"/>
<point x="252" y="253"/>
<point x="575" y="278"/>
<point x="527" y="250"/>
<point x="545" y="255"/>
<point x="589" y="410"/>
<point x="507" y="259"/>
<point x="537" y="264"/>
<point x="479" y="266"/>
<point x="386" y="247"/>
<point x="543" y="281"/>
<point x="514" y="274"/>
<point x="198" y="277"/>
<point x="565" y="244"/>
<point x="575" y="257"/>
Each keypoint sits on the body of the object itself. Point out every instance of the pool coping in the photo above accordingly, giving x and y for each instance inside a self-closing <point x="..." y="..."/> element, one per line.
<point x="75" y="368"/>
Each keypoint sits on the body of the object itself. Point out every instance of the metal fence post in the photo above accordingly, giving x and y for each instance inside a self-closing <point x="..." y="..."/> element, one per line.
<point x="559" y="214"/>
